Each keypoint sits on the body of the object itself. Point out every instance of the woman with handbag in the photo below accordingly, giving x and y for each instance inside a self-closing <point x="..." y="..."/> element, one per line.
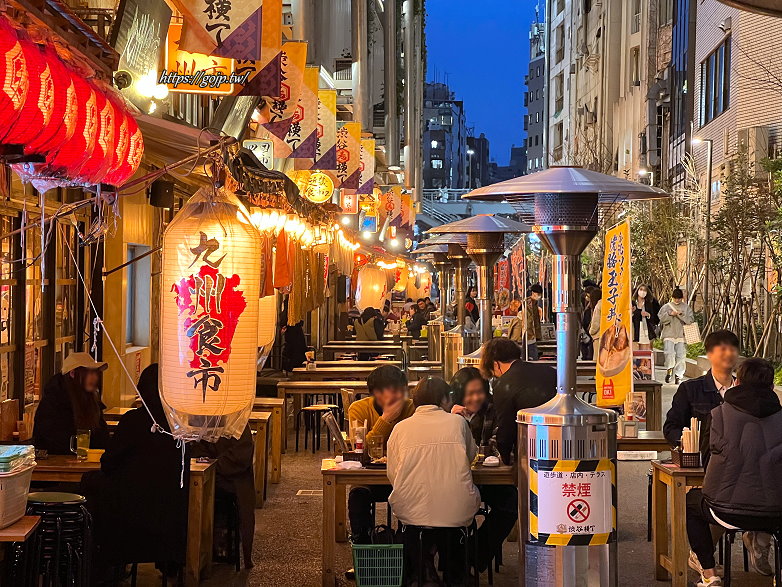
<point x="674" y="316"/>
<point x="645" y="317"/>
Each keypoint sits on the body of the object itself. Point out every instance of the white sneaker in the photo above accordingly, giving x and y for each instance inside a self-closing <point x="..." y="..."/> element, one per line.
<point x="758" y="554"/>
<point x="714" y="581"/>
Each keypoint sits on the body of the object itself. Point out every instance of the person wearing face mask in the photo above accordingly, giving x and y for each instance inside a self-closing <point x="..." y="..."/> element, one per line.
<point x="674" y="316"/>
<point x="520" y="385"/>
<point x="645" y="317"/>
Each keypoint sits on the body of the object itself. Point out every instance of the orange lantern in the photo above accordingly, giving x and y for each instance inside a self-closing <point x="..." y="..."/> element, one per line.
<point x="13" y="76"/>
<point x="371" y="287"/>
<point x="209" y="316"/>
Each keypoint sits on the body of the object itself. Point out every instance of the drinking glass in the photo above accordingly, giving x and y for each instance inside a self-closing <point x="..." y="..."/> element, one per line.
<point x="80" y="444"/>
<point x="375" y="447"/>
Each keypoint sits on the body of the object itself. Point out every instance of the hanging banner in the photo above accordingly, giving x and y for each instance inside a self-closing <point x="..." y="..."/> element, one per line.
<point x="262" y="149"/>
<point x="518" y="264"/>
<point x="502" y="284"/>
<point x="408" y="212"/>
<point x="265" y="75"/>
<point x="393" y="198"/>
<point x="277" y="113"/>
<point x="326" y="149"/>
<point x="348" y="155"/>
<point x="195" y="73"/>
<point x="366" y="180"/>
<point x="614" y="378"/>
<point x="302" y="137"/>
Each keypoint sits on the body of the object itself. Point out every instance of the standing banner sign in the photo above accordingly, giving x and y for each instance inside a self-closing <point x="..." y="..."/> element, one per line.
<point x="614" y="376"/>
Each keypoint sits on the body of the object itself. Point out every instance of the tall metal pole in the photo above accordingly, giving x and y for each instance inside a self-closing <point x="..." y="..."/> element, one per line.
<point x="390" y="83"/>
<point x="706" y="276"/>
<point x="410" y="68"/>
<point x="565" y="306"/>
<point x="361" y="106"/>
<point x="459" y="266"/>
<point x="485" y="287"/>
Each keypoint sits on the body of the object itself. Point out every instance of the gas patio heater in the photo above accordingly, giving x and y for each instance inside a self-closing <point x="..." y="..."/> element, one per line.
<point x="485" y="245"/>
<point x="458" y="340"/>
<point x="437" y="256"/>
<point x="564" y="205"/>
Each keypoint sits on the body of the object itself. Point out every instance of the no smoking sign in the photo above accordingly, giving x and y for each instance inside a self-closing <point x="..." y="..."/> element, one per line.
<point x="578" y="511"/>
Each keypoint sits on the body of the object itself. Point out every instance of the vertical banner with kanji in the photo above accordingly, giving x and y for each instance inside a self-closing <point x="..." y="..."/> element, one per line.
<point x="277" y="113"/>
<point x="348" y="155"/>
<point x="366" y="181"/>
<point x="326" y="150"/>
<point x="265" y="74"/>
<point x="302" y="134"/>
<point x="614" y="378"/>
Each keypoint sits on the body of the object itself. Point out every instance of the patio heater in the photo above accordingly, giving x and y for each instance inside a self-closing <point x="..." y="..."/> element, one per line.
<point x="436" y="255"/>
<point x="458" y="340"/>
<point x="566" y="435"/>
<point x="485" y="245"/>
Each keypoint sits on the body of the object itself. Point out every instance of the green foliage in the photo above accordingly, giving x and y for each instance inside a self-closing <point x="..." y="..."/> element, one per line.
<point x="695" y="350"/>
<point x="778" y="375"/>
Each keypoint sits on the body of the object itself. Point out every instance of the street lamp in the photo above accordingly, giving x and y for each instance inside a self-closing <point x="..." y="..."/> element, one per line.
<point x="709" y="164"/>
<point x="643" y="172"/>
<point x="470" y="153"/>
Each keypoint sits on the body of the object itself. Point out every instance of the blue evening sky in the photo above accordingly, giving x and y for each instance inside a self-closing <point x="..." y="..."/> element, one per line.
<point x="481" y="48"/>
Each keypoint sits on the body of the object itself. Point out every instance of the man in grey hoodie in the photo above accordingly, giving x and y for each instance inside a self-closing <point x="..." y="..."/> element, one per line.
<point x="673" y="317"/>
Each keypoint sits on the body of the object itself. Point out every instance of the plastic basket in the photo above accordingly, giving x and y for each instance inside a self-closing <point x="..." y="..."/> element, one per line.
<point x="14" y="488"/>
<point x="378" y="565"/>
<point x="686" y="460"/>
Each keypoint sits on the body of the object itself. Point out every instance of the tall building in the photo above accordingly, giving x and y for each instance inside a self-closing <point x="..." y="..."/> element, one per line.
<point x="478" y="161"/>
<point x="535" y="100"/>
<point x="444" y="143"/>
<point x="559" y="63"/>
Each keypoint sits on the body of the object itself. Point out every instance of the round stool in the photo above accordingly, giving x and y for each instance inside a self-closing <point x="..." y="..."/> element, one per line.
<point x="64" y="542"/>
<point x="311" y="416"/>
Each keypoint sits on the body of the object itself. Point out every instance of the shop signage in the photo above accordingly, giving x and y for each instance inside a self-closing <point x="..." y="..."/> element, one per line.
<point x="263" y="149"/>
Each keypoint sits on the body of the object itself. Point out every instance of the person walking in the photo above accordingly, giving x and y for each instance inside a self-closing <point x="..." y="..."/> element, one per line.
<point x="645" y="317"/>
<point x="586" y="342"/>
<point x="674" y="316"/>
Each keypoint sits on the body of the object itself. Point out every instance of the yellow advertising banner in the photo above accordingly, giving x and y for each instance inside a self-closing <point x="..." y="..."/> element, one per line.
<point x="302" y="134"/>
<point x="348" y="155"/>
<point x="195" y="73"/>
<point x="366" y="179"/>
<point x="614" y="378"/>
<point x="326" y="150"/>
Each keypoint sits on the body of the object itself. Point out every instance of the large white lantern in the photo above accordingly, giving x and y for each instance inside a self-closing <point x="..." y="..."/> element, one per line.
<point x="209" y="316"/>
<point x="371" y="288"/>
<point x="267" y="320"/>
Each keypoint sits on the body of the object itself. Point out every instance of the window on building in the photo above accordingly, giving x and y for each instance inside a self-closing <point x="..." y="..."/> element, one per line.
<point x="537" y="71"/>
<point x="537" y="138"/>
<point x="138" y="290"/>
<point x="537" y="117"/>
<point x="559" y="92"/>
<point x="635" y="66"/>
<point x="559" y="39"/>
<point x="635" y="23"/>
<point x="560" y="6"/>
<point x="715" y="83"/>
<point x="559" y="140"/>
<point x="665" y="12"/>
<point x="437" y="163"/>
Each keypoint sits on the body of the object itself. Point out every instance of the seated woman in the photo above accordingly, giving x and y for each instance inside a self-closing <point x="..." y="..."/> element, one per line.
<point x="742" y="487"/>
<point x="70" y="402"/>
<point x="235" y="477"/>
<point x="429" y="459"/>
<point x="141" y="515"/>
<point x="472" y="401"/>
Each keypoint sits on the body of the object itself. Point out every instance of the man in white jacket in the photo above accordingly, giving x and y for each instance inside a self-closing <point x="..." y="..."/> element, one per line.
<point x="429" y="465"/>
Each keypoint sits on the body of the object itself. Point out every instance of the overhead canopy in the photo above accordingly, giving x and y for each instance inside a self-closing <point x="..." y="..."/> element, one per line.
<point x="445" y="239"/>
<point x="482" y="223"/>
<point x="770" y="7"/>
<point x="567" y="180"/>
<point x="431" y="249"/>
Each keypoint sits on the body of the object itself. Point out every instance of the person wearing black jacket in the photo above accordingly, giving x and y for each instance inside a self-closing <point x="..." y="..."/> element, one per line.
<point x="140" y="508"/>
<point x="696" y="397"/>
<point x="519" y="385"/>
<point x="743" y="482"/>
<point x="645" y="317"/>
<point x="71" y="401"/>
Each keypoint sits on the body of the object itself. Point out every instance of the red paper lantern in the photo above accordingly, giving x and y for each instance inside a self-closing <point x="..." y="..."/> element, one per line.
<point x="119" y="151"/>
<point x="35" y="112"/>
<point x="69" y="159"/>
<point x="60" y="98"/>
<point x="13" y="76"/>
<point x="97" y="164"/>
<point x="133" y="157"/>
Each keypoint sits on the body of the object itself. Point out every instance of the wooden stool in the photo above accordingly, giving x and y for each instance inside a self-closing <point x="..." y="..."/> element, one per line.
<point x="308" y="413"/>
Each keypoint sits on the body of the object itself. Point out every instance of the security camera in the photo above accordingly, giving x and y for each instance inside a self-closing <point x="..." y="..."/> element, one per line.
<point x="726" y="25"/>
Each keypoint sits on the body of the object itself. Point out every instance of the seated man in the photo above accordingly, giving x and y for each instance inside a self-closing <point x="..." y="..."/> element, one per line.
<point x="519" y="385"/>
<point x="743" y="457"/>
<point x="696" y="397"/>
<point x="429" y="460"/>
<point x="386" y="405"/>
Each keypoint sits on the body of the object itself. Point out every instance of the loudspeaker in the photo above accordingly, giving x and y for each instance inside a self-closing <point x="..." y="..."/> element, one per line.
<point x="161" y="194"/>
<point x="343" y="289"/>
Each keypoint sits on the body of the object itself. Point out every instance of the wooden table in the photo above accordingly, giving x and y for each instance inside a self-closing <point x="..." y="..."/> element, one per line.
<point x="279" y="427"/>
<point x="375" y="363"/>
<point x="324" y="373"/>
<point x="335" y="482"/>
<point x="379" y="347"/>
<point x="671" y="564"/>
<point x="654" y="398"/>
<point x="20" y="531"/>
<point x="66" y="469"/>
<point x="260" y="423"/>
<point x="583" y="368"/>
<point x="647" y="440"/>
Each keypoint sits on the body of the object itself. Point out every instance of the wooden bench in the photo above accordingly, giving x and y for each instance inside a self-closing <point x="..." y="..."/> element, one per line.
<point x="278" y="433"/>
<point x="260" y="423"/>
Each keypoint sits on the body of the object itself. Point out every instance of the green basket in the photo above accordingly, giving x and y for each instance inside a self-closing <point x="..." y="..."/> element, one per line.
<point x="378" y="565"/>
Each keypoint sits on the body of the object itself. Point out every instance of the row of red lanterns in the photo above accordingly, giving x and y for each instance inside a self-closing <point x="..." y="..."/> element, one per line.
<point x="84" y="132"/>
